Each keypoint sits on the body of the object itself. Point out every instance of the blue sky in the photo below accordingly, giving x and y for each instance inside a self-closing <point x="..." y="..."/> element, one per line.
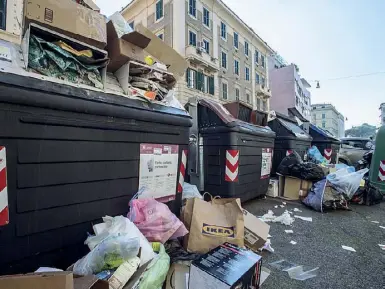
<point x="327" y="39"/>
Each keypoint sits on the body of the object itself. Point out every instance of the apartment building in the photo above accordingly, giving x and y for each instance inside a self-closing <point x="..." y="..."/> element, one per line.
<point x="290" y="94"/>
<point x="382" y="109"/>
<point x="11" y="19"/>
<point x="327" y="117"/>
<point x="227" y="59"/>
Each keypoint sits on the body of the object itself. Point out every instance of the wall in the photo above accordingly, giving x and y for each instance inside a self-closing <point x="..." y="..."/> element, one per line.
<point x="333" y="121"/>
<point x="14" y="21"/>
<point x="282" y="89"/>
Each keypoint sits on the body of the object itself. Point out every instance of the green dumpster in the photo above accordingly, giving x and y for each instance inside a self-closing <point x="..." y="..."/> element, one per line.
<point x="377" y="167"/>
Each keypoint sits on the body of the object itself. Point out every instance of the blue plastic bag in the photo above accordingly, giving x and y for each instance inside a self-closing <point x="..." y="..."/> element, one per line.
<point x="316" y="156"/>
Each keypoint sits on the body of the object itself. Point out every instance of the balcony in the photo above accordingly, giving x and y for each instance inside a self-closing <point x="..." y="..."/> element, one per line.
<point x="197" y="56"/>
<point x="263" y="91"/>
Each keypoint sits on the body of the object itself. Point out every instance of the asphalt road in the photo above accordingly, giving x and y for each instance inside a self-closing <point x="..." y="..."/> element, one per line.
<point x="319" y="245"/>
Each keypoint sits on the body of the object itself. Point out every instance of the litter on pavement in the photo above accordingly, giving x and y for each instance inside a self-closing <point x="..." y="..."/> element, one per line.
<point x="293" y="242"/>
<point x="308" y="219"/>
<point x="284" y="219"/>
<point x="294" y="271"/>
<point x="348" y="248"/>
<point x="289" y="231"/>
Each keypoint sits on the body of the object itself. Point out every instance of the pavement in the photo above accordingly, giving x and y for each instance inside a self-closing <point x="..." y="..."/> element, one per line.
<point x="319" y="244"/>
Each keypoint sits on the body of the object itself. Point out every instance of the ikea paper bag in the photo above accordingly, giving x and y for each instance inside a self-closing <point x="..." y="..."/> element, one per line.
<point x="213" y="223"/>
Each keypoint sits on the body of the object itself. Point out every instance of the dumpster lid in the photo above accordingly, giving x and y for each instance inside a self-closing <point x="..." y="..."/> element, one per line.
<point x="322" y="132"/>
<point x="292" y="126"/>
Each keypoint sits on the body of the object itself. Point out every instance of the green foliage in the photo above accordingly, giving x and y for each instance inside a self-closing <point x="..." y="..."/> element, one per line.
<point x="364" y="130"/>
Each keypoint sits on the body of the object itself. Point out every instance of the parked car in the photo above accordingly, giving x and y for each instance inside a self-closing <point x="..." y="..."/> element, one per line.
<point x="353" y="149"/>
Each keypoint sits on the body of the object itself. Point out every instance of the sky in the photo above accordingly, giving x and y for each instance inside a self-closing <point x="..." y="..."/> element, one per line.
<point x="333" y="42"/>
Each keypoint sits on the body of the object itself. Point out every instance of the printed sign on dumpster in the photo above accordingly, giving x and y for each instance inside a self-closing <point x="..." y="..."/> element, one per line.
<point x="267" y="157"/>
<point x="158" y="171"/>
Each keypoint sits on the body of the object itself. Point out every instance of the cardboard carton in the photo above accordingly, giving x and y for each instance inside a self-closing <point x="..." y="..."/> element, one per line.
<point x="48" y="280"/>
<point x="178" y="276"/>
<point x="226" y="267"/>
<point x="69" y="18"/>
<point x="293" y="189"/>
<point x="256" y="231"/>
<point x="89" y="282"/>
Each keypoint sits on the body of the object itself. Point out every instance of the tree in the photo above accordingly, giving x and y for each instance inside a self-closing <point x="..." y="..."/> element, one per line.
<point x="364" y="130"/>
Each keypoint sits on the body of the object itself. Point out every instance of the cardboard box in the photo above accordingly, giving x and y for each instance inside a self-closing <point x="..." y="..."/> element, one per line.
<point x="256" y="231"/>
<point x="89" y="282"/>
<point x="178" y="276"/>
<point x="47" y="280"/>
<point x="273" y="190"/>
<point x="292" y="188"/>
<point x="69" y="18"/>
<point x="120" y="52"/>
<point x="226" y="267"/>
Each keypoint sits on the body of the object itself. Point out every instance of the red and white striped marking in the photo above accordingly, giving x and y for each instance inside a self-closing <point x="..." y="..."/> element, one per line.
<point x="328" y="155"/>
<point x="232" y="165"/>
<point x="4" y="214"/>
<point x="289" y="152"/>
<point x="182" y="171"/>
<point x="381" y="172"/>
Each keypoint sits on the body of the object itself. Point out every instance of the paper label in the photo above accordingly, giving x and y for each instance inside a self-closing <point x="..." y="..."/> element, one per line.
<point x="250" y="237"/>
<point x="267" y="158"/>
<point x="158" y="171"/>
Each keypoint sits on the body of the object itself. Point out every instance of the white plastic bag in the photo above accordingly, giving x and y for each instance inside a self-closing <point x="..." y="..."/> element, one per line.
<point x="121" y="224"/>
<point x="346" y="182"/>
<point x="109" y="254"/>
<point x="171" y="100"/>
<point x="190" y="191"/>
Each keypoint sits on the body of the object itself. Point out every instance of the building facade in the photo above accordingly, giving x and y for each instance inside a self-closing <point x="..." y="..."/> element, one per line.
<point x="227" y="59"/>
<point x="289" y="90"/>
<point x="327" y="117"/>
<point x="382" y="110"/>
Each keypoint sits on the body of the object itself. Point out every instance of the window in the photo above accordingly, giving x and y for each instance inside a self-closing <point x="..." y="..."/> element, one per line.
<point x="246" y="48"/>
<point x="224" y="90"/>
<point x="191" y="78"/>
<point x="206" y="46"/>
<point x="211" y="85"/>
<point x="223" y="31"/>
<point x="258" y="103"/>
<point x="224" y="60"/>
<point x="192" y="8"/>
<point x="323" y="124"/>
<point x="236" y="40"/>
<point x="192" y="38"/>
<point x="159" y="10"/>
<point x="263" y="81"/>
<point x="237" y="93"/>
<point x="160" y="36"/>
<point x="264" y="105"/>
<point x="132" y="24"/>
<point x="256" y="56"/>
<point x="198" y="80"/>
<point x="206" y="17"/>
<point x="263" y="61"/>
<point x="247" y="98"/>
<point x="247" y="74"/>
<point x="323" y="116"/>
<point x="3" y="14"/>
<point x="236" y="67"/>
<point x="257" y="78"/>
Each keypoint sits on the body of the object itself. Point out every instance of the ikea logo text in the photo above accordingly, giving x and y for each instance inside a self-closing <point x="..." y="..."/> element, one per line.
<point x="218" y="231"/>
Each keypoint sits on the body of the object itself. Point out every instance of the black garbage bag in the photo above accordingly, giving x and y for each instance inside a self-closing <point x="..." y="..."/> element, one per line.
<point x="368" y="195"/>
<point x="307" y="171"/>
<point x="293" y="159"/>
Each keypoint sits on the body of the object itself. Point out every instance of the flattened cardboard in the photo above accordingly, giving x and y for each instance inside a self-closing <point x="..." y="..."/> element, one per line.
<point x="290" y="187"/>
<point x="47" y="280"/>
<point x="69" y="18"/>
<point x="256" y="231"/>
<point x="89" y="282"/>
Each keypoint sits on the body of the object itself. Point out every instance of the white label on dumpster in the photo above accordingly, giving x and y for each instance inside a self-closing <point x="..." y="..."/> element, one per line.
<point x="158" y="170"/>
<point x="267" y="158"/>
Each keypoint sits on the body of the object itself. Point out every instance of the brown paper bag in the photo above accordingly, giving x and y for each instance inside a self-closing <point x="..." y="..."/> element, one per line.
<point x="213" y="223"/>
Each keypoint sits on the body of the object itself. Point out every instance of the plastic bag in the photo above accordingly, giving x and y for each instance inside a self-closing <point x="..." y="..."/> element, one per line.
<point x="307" y="171"/>
<point x="171" y="100"/>
<point x="190" y="191"/>
<point x="316" y="156"/>
<point x="156" y="272"/>
<point x="155" y="220"/>
<point x="347" y="182"/>
<point x="292" y="159"/>
<point x="120" y="224"/>
<point x="120" y="24"/>
<point x="109" y="254"/>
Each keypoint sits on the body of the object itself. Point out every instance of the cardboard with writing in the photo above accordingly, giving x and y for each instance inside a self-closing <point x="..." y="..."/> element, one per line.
<point x="256" y="231"/>
<point x="69" y="18"/>
<point x="47" y="280"/>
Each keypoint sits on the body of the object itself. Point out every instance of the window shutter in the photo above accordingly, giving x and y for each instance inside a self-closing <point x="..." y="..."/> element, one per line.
<point x="188" y="76"/>
<point x="211" y="85"/>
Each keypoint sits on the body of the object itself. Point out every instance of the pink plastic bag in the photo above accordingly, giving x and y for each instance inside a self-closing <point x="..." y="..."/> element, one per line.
<point x="155" y="220"/>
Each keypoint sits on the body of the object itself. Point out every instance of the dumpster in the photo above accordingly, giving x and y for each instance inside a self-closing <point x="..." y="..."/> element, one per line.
<point x="227" y="157"/>
<point x="326" y="143"/>
<point x="70" y="156"/>
<point x="239" y="110"/>
<point x="289" y="137"/>
<point x="377" y="167"/>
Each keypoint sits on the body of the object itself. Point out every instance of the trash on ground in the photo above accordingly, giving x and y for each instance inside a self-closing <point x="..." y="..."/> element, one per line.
<point x="212" y="223"/>
<point x="382" y="246"/>
<point x="282" y="206"/>
<point x="190" y="191"/>
<point x="376" y="222"/>
<point x="346" y="182"/>
<point x="117" y="279"/>
<point x="292" y="188"/>
<point x="268" y="246"/>
<point x="276" y="207"/>
<point x="265" y="273"/>
<point x="382" y="227"/>
<point x="308" y="219"/>
<point x="47" y="269"/>
<point x="289" y="231"/>
<point x="155" y="220"/>
<point x="285" y="218"/>
<point x="177" y="253"/>
<point x="60" y="280"/>
<point x="272" y="191"/>
<point x="256" y="231"/>
<point x="297" y="210"/>
<point x="293" y="242"/>
<point x="284" y="203"/>
<point x="203" y="274"/>
<point x="295" y="272"/>
<point x="348" y="248"/>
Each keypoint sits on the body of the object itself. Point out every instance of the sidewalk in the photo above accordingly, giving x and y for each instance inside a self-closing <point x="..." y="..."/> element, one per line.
<point x="319" y="245"/>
